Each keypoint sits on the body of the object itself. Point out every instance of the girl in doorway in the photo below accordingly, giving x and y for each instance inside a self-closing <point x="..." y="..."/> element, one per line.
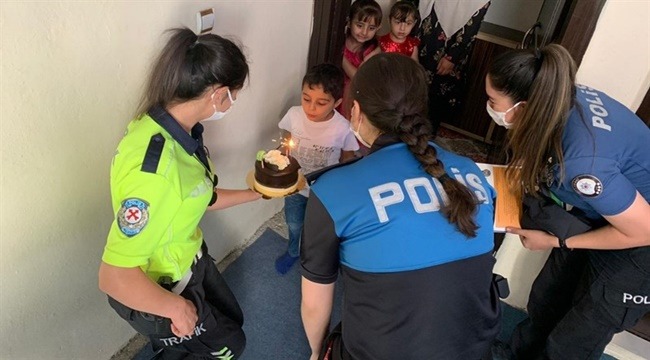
<point x="360" y="42"/>
<point x="403" y="17"/>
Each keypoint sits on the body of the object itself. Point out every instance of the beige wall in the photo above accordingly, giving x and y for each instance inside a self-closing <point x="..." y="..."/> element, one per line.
<point x="617" y="60"/>
<point x="71" y="73"/>
<point x="514" y="14"/>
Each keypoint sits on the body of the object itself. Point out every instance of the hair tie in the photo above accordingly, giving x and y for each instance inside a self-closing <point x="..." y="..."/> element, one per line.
<point x="443" y="178"/>
<point x="196" y="42"/>
<point x="539" y="57"/>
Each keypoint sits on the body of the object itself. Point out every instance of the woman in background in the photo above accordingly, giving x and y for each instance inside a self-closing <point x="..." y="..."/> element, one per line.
<point x="447" y="35"/>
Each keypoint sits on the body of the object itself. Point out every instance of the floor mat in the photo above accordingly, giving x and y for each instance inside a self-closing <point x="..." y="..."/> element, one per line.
<point x="270" y="301"/>
<point x="463" y="145"/>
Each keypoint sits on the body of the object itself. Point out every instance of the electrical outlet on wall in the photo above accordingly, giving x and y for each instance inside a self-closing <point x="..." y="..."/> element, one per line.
<point x="204" y="21"/>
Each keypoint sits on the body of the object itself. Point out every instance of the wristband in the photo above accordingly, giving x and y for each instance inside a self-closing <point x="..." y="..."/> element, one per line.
<point x="562" y="243"/>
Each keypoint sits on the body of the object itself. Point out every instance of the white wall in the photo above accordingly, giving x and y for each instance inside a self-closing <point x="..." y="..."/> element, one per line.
<point x="70" y="77"/>
<point x="385" y="9"/>
<point x="617" y="60"/>
<point x="514" y="14"/>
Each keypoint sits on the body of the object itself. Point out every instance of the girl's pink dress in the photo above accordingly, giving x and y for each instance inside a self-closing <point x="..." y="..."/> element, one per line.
<point x="356" y="59"/>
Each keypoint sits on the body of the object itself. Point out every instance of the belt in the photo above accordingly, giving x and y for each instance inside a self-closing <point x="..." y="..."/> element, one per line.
<point x="182" y="283"/>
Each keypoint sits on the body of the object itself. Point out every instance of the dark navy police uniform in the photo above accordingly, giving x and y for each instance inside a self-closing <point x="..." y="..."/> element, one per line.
<point x="581" y="298"/>
<point x="415" y="287"/>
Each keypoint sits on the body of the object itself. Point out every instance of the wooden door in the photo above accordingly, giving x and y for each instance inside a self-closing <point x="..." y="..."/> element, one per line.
<point x="328" y="36"/>
<point x="472" y="119"/>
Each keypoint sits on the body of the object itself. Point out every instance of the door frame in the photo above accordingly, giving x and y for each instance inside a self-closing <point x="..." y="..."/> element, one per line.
<point x="574" y="32"/>
<point x="578" y="25"/>
<point x="328" y="35"/>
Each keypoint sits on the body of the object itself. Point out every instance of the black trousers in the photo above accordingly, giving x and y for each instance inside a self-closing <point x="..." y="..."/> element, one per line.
<point x="218" y="331"/>
<point x="580" y="299"/>
<point x="334" y="349"/>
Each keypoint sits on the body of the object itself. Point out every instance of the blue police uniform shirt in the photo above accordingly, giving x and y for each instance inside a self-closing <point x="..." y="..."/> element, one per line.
<point x="392" y="197"/>
<point x="415" y="287"/>
<point x="606" y="156"/>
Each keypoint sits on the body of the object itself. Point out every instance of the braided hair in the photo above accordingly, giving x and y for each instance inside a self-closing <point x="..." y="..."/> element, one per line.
<point x="392" y="92"/>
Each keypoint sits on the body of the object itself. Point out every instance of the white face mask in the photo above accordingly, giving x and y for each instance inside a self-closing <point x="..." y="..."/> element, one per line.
<point x="500" y="117"/>
<point x="219" y="114"/>
<point x="358" y="136"/>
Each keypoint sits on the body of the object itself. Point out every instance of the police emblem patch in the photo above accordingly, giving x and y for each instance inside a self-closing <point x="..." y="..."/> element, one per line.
<point x="587" y="185"/>
<point x="133" y="216"/>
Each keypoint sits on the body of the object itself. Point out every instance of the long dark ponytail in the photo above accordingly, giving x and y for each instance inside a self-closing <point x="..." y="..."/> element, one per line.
<point x="189" y="64"/>
<point x="545" y="79"/>
<point x="392" y="92"/>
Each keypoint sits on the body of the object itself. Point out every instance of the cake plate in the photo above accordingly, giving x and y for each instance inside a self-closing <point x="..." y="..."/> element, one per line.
<point x="275" y="193"/>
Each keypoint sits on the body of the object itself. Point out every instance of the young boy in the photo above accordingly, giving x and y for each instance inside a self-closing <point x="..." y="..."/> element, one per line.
<point x="321" y="137"/>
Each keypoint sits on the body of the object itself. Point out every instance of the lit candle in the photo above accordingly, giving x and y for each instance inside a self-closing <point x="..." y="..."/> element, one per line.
<point x="291" y="144"/>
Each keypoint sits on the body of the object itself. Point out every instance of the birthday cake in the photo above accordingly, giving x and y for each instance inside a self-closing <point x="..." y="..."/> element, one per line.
<point x="275" y="173"/>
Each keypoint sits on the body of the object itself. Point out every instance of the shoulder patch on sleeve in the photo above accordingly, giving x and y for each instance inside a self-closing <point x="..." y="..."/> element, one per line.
<point x="132" y="216"/>
<point x="152" y="156"/>
<point x="587" y="185"/>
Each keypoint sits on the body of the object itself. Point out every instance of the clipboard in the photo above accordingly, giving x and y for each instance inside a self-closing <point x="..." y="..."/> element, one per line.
<point x="508" y="204"/>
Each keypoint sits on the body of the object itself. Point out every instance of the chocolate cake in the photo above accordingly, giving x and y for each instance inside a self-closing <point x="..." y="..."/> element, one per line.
<point x="270" y="177"/>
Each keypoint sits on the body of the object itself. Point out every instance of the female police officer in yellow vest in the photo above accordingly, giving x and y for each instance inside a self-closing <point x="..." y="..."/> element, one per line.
<point x="155" y="268"/>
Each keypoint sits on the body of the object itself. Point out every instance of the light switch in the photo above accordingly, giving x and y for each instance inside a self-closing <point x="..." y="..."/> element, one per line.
<point x="204" y="21"/>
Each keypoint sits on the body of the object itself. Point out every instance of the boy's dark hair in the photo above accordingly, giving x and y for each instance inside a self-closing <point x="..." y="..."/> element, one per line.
<point x="329" y="76"/>
<point x="402" y="9"/>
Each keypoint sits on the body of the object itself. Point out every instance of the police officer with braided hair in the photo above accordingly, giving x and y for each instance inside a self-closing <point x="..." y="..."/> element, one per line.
<point x="410" y="228"/>
<point x="156" y="268"/>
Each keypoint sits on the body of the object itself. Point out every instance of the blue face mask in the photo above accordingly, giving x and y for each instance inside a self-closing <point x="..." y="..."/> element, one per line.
<point x="218" y="115"/>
